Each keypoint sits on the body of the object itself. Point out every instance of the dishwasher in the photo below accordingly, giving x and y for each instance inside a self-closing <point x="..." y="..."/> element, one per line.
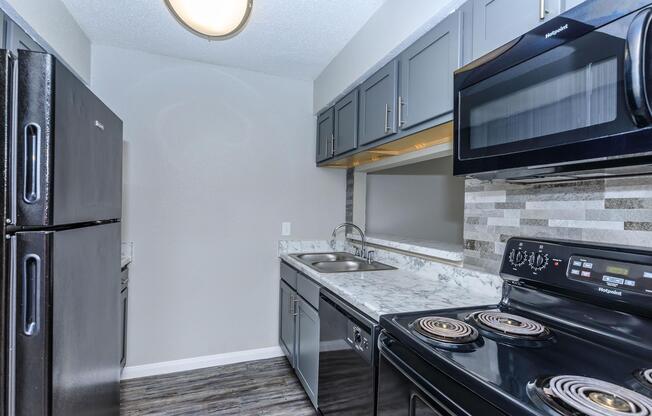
<point x="347" y="359"/>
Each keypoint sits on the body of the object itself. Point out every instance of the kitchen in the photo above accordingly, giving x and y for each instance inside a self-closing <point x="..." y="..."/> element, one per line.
<point x="378" y="208"/>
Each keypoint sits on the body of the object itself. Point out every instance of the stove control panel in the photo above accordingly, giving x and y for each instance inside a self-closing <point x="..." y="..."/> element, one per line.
<point x="611" y="274"/>
<point x="621" y="273"/>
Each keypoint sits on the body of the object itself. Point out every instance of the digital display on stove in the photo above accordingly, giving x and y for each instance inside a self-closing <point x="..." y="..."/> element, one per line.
<point x="618" y="270"/>
<point x="612" y="275"/>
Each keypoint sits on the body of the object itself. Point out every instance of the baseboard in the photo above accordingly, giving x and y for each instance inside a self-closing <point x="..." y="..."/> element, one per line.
<point x="167" y="367"/>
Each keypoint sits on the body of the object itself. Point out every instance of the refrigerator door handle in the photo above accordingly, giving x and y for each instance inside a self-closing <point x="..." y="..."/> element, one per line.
<point x="31" y="281"/>
<point x="32" y="163"/>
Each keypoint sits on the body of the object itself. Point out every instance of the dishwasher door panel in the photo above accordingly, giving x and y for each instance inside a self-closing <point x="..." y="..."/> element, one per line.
<point x="346" y="374"/>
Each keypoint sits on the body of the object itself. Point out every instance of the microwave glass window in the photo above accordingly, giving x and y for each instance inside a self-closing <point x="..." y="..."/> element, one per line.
<point x="584" y="97"/>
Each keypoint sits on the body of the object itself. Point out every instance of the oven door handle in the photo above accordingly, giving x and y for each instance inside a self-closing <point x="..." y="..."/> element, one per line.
<point x="636" y="68"/>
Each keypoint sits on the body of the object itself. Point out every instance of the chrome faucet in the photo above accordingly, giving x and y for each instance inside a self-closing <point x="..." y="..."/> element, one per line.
<point x="363" y="250"/>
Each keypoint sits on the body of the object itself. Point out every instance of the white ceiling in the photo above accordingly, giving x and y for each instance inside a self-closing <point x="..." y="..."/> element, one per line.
<point x="292" y="38"/>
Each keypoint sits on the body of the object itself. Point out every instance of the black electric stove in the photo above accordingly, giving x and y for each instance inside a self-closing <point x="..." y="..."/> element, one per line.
<point x="572" y="335"/>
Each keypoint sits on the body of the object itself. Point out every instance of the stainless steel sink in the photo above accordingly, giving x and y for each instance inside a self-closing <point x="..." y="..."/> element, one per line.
<point x="320" y="257"/>
<point x="339" y="263"/>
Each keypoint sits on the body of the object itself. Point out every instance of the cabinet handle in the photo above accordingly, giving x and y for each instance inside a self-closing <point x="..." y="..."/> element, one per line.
<point x="387" y="110"/>
<point x="542" y="9"/>
<point x="401" y="122"/>
<point x="291" y="304"/>
<point x="295" y="311"/>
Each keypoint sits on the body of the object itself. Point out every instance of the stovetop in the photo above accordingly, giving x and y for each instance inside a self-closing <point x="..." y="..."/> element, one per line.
<point x="507" y="369"/>
<point x="579" y="338"/>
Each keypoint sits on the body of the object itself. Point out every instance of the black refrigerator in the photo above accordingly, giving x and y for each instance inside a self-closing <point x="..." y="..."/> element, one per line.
<point x="61" y="197"/>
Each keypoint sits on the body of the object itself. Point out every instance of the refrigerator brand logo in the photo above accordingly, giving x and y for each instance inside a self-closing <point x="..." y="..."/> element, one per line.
<point x="556" y="31"/>
<point x="610" y="291"/>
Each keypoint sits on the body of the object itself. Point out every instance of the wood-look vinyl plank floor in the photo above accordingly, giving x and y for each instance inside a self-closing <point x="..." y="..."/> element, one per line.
<point x="266" y="387"/>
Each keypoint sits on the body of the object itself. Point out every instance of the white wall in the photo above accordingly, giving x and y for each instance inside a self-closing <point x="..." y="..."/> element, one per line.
<point x="396" y="24"/>
<point x="216" y="158"/>
<point x="52" y="25"/>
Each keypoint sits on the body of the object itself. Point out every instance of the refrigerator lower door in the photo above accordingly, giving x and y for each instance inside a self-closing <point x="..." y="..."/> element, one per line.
<point x="68" y="329"/>
<point x="68" y="148"/>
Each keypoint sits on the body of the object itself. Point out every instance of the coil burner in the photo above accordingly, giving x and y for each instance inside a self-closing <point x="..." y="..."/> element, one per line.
<point x="506" y="326"/>
<point x="644" y="377"/>
<point x="576" y="395"/>
<point x="446" y="332"/>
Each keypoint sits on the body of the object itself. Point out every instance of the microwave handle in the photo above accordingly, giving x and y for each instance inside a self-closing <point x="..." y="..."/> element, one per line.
<point x="635" y="68"/>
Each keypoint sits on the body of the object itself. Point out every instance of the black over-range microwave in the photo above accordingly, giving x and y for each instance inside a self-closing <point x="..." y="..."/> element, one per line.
<point x="569" y="99"/>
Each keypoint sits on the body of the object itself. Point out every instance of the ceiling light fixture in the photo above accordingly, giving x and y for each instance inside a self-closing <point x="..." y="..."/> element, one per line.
<point x="211" y="19"/>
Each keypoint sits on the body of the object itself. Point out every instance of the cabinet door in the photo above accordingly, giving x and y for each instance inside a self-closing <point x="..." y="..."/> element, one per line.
<point x="287" y="309"/>
<point x="426" y="74"/>
<point x="377" y="104"/>
<point x="496" y="22"/>
<point x="346" y="123"/>
<point x="325" y="132"/>
<point x="569" y="4"/>
<point x="307" y="356"/>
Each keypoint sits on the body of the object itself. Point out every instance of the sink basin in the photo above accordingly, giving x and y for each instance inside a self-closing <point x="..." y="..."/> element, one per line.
<point x="323" y="257"/>
<point x="338" y="263"/>
<point x="348" y="266"/>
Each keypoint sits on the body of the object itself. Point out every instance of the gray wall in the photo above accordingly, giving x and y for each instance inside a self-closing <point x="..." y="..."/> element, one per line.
<point x="216" y="159"/>
<point x="421" y="201"/>
<point x="50" y="22"/>
<point x="614" y="211"/>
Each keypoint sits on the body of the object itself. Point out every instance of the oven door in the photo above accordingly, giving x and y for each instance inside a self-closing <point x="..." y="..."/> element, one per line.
<point x="409" y="386"/>
<point x="584" y="99"/>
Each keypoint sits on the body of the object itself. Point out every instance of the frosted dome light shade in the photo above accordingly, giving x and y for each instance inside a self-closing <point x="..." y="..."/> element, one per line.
<point x="212" y="19"/>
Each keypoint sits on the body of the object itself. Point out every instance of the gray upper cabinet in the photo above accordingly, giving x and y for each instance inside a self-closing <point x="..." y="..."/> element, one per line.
<point x="307" y="353"/>
<point x="496" y="22"/>
<point x="569" y="4"/>
<point x="287" y="325"/>
<point x="426" y="75"/>
<point x="378" y="96"/>
<point x="346" y="123"/>
<point x="325" y="134"/>
<point x="16" y="39"/>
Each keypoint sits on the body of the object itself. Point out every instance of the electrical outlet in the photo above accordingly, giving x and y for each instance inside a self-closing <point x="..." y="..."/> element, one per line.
<point x="286" y="229"/>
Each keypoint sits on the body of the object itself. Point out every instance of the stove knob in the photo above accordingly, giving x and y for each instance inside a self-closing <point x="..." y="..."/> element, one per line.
<point x="538" y="261"/>
<point x="517" y="257"/>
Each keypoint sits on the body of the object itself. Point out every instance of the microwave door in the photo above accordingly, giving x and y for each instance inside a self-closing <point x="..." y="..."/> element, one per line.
<point x="578" y="105"/>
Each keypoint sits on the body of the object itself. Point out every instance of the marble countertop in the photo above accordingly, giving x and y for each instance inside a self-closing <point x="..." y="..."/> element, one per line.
<point x="431" y="248"/>
<point x="437" y="286"/>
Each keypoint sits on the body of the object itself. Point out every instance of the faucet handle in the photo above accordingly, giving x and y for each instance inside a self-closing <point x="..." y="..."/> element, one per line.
<point x="357" y="251"/>
<point x="370" y="256"/>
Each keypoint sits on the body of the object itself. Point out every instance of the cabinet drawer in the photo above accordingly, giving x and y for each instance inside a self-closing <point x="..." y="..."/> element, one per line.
<point x="289" y="275"/>
<point x="308" y="290"/>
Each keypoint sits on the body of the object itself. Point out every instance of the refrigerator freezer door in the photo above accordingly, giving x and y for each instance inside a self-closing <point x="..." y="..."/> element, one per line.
<point x="68" y="331"/>
<point x="69" y="148"/>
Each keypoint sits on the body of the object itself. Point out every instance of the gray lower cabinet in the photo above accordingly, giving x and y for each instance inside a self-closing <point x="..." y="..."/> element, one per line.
<point x="307" y="352"/>
<point x="325" y="134"/>
<point x="426" y="75"/>
<point x="378" y="95"/>
<point x="346" y="123"/>
<point x="299" y="327"/>
<point x="496" y="22"/>
<point x="287" y="322"/>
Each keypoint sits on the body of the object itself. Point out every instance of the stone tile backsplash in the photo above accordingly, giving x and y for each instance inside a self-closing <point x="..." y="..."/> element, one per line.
<point x="614" y="211"/>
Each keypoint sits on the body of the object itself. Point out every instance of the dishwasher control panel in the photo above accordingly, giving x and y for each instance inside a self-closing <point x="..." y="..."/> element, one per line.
<point x="360" y="340"/>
